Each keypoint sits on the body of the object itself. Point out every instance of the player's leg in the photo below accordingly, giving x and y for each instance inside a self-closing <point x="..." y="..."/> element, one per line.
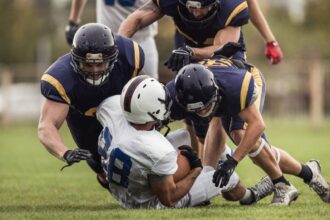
<point x="204" y="189"/>
<point x="310" y="172"/>
<point x="262" y="155"/>
<point x="148" y="45"/>
<point x="215" y="147"/>
<point x="197" y="143"/>
<point x="179" y="138"/>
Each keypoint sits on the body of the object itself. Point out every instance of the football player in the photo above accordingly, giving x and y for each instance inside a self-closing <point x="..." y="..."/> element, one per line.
<point x="111" y="14"/>
<point x="140" y="162"/>
<point x="202" y="27"/>
<point x="235" y="91"/>
<point x="98" y="66"/>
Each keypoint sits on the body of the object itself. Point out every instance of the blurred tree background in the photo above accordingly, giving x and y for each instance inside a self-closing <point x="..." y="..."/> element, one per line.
<point x="32" y="37"/>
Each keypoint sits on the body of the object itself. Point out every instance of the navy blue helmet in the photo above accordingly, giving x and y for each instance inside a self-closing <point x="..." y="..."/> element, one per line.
<point x="189" y="19"/>
<point x="94" y="43"/>
<point x="196" y="90"/>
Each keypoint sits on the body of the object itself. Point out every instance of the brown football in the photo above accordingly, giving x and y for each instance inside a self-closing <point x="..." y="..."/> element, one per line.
<point x="183" y="168"/>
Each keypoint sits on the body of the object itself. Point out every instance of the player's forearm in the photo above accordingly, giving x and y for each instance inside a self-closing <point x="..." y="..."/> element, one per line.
<point x="50" y="137"/>
<point x="129" y="26"/>
<point x="251" y="136"/>
<point x="205" y="52"/>
<point x="184" y="185"/>
<point x="77" y="7"/>
<point x="259" y="21"/>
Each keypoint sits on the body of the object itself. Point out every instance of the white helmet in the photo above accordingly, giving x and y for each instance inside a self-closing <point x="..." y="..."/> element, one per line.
<point x="144" y="99"/>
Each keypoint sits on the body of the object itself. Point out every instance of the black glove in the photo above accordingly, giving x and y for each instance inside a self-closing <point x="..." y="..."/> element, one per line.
<point x="194" y="161"/>
<point x="70" y="31"/>
<point x="75" y="156"/>
<point x="224" y="170"/>
<point x="179" y="58"/>
<point x="229" y="49"/>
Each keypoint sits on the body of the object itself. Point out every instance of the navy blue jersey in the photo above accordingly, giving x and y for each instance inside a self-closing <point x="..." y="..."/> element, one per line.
<point x="61" y="83"/>
<point x="239" y="88"/>
<point x="230" y="13"/>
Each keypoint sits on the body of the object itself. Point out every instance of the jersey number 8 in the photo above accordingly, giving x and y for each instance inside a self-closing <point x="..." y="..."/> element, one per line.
<point x="119" y="164"/>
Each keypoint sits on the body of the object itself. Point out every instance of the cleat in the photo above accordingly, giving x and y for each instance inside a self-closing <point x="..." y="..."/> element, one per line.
<point x="263" y="188"/>
<point x="284" y="194"/>
<point x="318" y="183"/>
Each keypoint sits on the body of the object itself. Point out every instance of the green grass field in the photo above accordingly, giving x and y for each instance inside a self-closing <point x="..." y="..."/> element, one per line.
<point x="32" y="186"/>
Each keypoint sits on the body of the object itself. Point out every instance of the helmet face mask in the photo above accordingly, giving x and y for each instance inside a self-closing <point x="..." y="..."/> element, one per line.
<point x="94" y="53"/>
<point x="197" y="91"/>
<point x="144" y="99"/>
<point x="209" y="8"/>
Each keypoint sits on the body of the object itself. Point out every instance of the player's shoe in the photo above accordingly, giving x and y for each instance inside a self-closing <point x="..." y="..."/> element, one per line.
<point x="263" y="188"/>
<point x="284" y="194"/>
<point x="318" y="183"/>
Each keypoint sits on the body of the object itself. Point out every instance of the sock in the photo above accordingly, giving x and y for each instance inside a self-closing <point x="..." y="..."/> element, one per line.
<point x="281" y="179"/>
<point x="305" y="173"/>
<point x="248" y="197"/>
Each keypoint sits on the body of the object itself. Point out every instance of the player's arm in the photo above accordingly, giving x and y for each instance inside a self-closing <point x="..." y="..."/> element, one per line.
<point x="51" y="119"/>
<point x="259" y="21"/>
<point x="77" y="7"/>
<point x="223" y="36"/>
<point x="140" y="18"/>
<point x="169" y="192"/>
<point x="255" y="127"/>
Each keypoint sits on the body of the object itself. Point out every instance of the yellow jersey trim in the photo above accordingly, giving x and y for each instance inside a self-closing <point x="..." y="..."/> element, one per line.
<point x="137" y="58"/>
<point x="58" y="86"/>
<point x="236" y="11"/>
<point x="245" y="88"/>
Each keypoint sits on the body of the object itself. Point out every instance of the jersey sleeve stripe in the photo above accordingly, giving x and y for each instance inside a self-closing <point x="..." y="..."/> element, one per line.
<point x="137" y="58"/>
<point x="258" y="80"/>
<point x="245" y="88"/>
<point x="186" y="36"/>
<point x="54" y="82"/>
<point x="236" y="11"/>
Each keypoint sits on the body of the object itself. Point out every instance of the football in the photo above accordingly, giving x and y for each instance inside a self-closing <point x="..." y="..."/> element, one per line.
<point x="183" y="168"/>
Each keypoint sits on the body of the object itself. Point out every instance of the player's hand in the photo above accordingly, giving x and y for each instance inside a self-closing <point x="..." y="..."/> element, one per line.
<point x="70" y="31"/>
<point x="192" y="157"/>
<point x="223" y="171"/>
<point x="75" y="156"/>
<point x="179" y="58"/>
<point x="229" y="49"/>
<point x="273" y="52"/>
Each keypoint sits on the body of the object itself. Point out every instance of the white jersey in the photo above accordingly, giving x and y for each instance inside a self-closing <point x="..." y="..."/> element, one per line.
<point x="113" y="12"/>
<point x="130" y="155"/>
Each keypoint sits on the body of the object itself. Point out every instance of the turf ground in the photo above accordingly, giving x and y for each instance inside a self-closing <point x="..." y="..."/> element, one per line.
<point x="32" y="186"/>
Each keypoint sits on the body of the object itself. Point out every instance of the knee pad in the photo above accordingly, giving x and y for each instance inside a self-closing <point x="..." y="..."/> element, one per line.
<point x="179" y="138"/>
<point x="257" y="152"/>
<point x="277" y="154"/>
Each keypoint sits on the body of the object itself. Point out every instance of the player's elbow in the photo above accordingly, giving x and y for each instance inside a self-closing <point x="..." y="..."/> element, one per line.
<point x="42" y="132"/>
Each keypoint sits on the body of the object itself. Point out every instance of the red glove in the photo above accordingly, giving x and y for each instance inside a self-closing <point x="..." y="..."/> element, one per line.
<point x="273" y="52"/>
